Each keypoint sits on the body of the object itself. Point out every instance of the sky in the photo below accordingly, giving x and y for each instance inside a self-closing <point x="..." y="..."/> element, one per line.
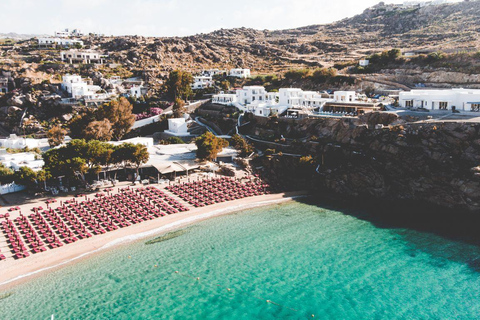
<point x="170" y="17"/>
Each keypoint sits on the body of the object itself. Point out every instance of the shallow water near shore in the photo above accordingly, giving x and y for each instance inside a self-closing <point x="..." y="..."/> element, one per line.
<point x="304" y="259"/>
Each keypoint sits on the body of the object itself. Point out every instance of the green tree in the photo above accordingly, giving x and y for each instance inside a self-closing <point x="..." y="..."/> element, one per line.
<point x="297" y="74"/>
<point x="208" y="146"/>
<point x="26" y="177"/>
<point x="324" y="74"/>
<point x="119" y="113"/>
<point x="175" y="140"/>
<point x="239" y="143"/>
<point x="178" y="85"/>
<point x="80" y="121"/>
<point x="99" y="130"/>
<point x="225" y="85"/>
<point x="67" y="161"/>
<point x="42" y="177"/>
<point x="6" y="174"/>
<point x="178" y="108"/>
<point x="56" y="136"/>
<point x="135" y="155"/>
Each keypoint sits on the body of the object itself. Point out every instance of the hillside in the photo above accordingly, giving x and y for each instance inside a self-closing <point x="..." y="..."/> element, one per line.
<point x="448" y="27"/>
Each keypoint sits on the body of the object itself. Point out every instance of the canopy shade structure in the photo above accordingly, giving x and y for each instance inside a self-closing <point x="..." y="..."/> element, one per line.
<point x="170" y="167"/>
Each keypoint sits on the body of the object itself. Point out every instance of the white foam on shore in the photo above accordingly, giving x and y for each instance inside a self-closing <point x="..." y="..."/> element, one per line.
<point x="138" y="236"/>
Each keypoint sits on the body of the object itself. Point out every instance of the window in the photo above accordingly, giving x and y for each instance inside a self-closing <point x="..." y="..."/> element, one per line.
<point x="443" y="105"/>
<point x="475" y="107"/>
<point x="409" y="103"/>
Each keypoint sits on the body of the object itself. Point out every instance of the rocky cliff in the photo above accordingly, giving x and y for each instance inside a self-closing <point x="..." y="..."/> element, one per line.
<point x="377" y="156"/>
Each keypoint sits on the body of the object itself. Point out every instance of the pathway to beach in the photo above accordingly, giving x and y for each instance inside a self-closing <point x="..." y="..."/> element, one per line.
<point x="118" y="215"/>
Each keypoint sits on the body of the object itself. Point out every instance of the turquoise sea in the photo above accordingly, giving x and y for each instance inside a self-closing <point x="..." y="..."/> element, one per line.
<point x="309" y="262"/>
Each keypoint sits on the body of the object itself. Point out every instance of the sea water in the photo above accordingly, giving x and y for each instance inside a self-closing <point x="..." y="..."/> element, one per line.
<point x="288" y="261"/>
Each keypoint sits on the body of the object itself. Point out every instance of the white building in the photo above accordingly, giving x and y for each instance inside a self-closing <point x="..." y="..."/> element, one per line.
<point x="15" y="142"/>
<point x="240" y="73"/>
<point x="212" y="72"/>
<point x="83" y="56"/>
<point x="177" y="127"/>
<point x="202" y="82"/>
<point x="48" y="42"/>
<point x="257" y="100"/>
<point x="3" y="85"/>
<point x="290" y="96"/>
<point x="225" y="98"/>
<point x="146" y="141"/>
<point x="251" y="95"/>
<point x="458" y="99"/>
<point x="77" y="88"/>
<point x="25" y="159"/>
<point x="344" y="96"/>
<point x="363" y="63"/>
<point x="138" y="91"/>
<point x="69" y="33"/>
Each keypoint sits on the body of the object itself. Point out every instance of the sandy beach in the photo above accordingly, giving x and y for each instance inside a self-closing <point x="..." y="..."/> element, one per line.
<point x="14" y="272"/>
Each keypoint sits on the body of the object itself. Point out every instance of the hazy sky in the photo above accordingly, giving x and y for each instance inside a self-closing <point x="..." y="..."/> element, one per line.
<point x="170" y="17"/>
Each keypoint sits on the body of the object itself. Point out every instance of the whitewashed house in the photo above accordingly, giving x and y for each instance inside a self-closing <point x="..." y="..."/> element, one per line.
<point x="212" y="72"/>
<point x="69" y="33"/>
<point x="82" y="56"/>
<point x="240" y="73"/>
<point x="15" y="142"/>
<point x="77" y="88"/>
<point x="24" y="159"/>
<point x="448" y="99"/>
<point x="202" y="82"/>
<point x="138" y="91"/>
<point x="227" y="99"/>
<point x="177" y="127"/>
<point x="250" y="95"/>
<point x="290" y="96"/>
<point x="294" y="101"/>
<point x="3" y="85"/>
<point x="363" y="62"/>
<point x="344" y="96"/>
<point x="49" y="42"/>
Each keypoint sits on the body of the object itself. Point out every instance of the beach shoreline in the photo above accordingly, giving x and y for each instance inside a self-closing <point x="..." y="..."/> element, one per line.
<point x="16" y="272"/>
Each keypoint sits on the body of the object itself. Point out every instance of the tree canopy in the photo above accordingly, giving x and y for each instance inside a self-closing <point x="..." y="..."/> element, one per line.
<point x="241" y="145"/>
<point x="208" y="146"/>
<point x="178" y="108"/>
<point x="80" y="157"/>
<point x="99" y="130"/>
<point x="56" y="136"/>
<point x="112" y="120"/>
<point x="6" y="174"/>
<point x="119" y="113"/>
<point x="178" y="85"/>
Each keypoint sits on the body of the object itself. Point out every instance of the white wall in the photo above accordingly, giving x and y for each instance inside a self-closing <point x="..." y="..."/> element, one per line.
<point x="344" y="96"/>
<point x="11" y="188"/>
<point x="461" y="99"/>
<point x="240" y="73"/>
<point x="177" y="126"/>
<point x="224" y="98"/>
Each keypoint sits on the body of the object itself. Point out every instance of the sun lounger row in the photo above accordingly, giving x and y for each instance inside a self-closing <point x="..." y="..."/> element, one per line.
<point x="210" y="191"/>
<point x="14" y="240"/>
